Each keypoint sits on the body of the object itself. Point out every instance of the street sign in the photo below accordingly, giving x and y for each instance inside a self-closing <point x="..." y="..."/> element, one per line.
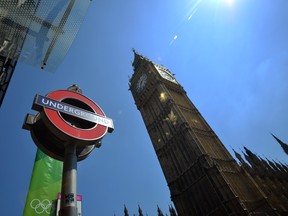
<point x="54" y="109"/>
<point x="67" y="117"/>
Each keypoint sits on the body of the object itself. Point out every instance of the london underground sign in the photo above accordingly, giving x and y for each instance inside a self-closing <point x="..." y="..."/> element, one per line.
<point x="67" y="117"/>
<point x="52" y="106"/>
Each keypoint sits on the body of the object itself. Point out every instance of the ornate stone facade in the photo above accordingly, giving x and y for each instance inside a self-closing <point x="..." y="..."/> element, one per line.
<point x="203" y="177"/>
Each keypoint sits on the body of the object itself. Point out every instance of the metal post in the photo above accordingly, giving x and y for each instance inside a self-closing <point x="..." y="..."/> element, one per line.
<point x="68" y="206"/>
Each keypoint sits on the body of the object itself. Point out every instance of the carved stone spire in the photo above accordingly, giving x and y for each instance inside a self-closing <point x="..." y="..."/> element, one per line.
<point x="238" y="156"/>
<point x="283" y="145"/>
<point x="125" y="211"/>
<point x="172" y="211"/>
<point x="140" y="211"/>
<point x="160" y="213"/>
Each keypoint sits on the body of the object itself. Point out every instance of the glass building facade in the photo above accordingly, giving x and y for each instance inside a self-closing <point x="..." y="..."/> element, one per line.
<point x="37" y="32"/>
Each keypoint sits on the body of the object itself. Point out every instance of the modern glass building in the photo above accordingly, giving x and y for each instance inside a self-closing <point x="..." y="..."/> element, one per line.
<point x="37" y="32"/>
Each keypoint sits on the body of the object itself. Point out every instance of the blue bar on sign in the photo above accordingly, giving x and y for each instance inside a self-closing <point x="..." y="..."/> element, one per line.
<point x="73" y="111"/>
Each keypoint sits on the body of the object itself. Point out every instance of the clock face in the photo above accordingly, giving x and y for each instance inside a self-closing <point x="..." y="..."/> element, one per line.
<point x="166" y="74"/>
<point x="141" y="82"/>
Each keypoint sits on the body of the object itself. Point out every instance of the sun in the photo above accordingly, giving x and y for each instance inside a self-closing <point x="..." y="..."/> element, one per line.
<point x="227" y="2"/>
<point x="230" y="2"/>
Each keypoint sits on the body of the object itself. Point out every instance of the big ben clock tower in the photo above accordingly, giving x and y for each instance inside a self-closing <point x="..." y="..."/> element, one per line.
<point x="202" y="176"/>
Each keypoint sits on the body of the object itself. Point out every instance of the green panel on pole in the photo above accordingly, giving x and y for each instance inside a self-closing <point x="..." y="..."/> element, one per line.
<point x="44" y="186"/>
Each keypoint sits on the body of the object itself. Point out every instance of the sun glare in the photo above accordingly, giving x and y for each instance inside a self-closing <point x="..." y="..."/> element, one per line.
<point x="229" y="2"/>
<point x="197" y="5"/>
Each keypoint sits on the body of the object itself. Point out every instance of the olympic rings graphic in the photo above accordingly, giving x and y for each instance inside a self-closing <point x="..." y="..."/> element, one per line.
<point x="40" y="206"/>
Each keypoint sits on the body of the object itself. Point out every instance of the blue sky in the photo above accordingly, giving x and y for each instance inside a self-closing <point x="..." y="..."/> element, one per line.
<point x="231" y="56"/>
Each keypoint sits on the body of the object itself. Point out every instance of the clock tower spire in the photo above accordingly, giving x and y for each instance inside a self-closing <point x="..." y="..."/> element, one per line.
<point x="203" y="178"/>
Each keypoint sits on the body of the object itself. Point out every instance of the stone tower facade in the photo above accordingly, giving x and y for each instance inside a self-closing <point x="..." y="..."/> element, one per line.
<point x="203" y="178"/>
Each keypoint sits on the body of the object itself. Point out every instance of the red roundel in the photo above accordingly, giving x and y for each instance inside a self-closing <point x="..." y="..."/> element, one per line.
<point x="94" y="133"/>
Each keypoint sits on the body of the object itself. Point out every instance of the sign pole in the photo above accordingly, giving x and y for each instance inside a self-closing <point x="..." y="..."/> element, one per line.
<point x="68" y="206"/>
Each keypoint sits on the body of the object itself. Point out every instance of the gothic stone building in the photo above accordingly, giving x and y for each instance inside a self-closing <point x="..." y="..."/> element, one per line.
<point x="203" y="177"/>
